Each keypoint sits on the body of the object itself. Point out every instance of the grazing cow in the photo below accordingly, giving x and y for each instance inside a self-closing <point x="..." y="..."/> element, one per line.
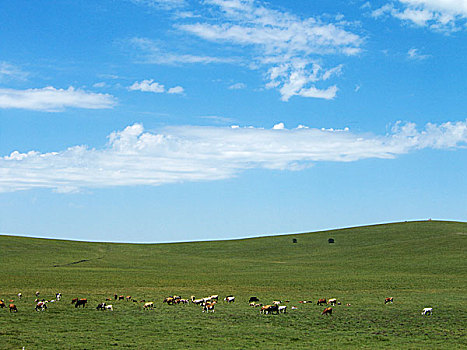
<point x="269" y="309"/>
<point x="230" y="299"/>
<point x="2" y="304"/>
<point x="101" y="306"/>
<point x="427" y="311"/>
<point x="332" y="301"/>
<point x="327" y="311"/>
<point x="20" y="296"/>
<point x="81" y="302"/>
<point x="13" y="308"/>
<point x="41" y="306"/>
<point x="214" y="297"/>
<point x="148" y="305"/>
<point x="128" y="297"/>
<point x="389" y="300"/>
<point x="276" y="302"/>
<point x="58" y="296"/>
<point x="321" y="301"/>
<point x="282" y="309"/>
<point x="209" y="307"/>
<point x="109" y="307"/>
<point x="197" y="301"/>
<point x="121" y="297"/>
<point x="169" y="301"/>
<point x="264" y="309"/>
<point x="74" y="300"/>
<point x="253" y="299"/>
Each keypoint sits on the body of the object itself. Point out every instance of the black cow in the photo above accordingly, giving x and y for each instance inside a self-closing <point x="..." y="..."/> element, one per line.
<point x="253" y="299"/>
<point x="81" y="302"/>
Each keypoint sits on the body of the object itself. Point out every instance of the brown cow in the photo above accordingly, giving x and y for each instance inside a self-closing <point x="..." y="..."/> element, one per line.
<point x="13" y="308"/>
<point x="81" y="302"/>
<point x="327" y="311"/>
<point x="389" y="300"/>
<point x="121" y="297"/>
<point x="209" y="307"/>
<point x="2" y="304"/>
<point x="128" y="297"/>
<point x="73" y="301"/>
<point x="321" y="301"/>
<point x="267" y="309"/>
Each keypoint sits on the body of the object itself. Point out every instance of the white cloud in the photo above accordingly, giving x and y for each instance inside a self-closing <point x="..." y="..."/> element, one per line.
<point x="135" y="157"/>
<point x="237" y="86"/>
<point x="269" y="39"/>
<point x="282" y="41"/>
<point x="297" y="79"/>
<point x="147" y="86"/>
<point x="414" y="54"/>
<point x="176" y="90"/>
<point x="100" y="85"/>
<point x="52" y="100"/>
<point x="440" y="15"/>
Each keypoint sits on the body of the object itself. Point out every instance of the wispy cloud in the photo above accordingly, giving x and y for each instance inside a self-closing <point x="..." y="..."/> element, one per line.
<point x="51" y="99"/>
<point x="137" y="157"/>
<point x="285" y="43"/>
<point x="152" y="53"/>
<point x="237" y="86"/>
<point x="414" y="54"/>
<point x="285" y="46"/>
<point x="9" y="71"/>
<point x="444" y="16"/>
<point x="162" y="4"/>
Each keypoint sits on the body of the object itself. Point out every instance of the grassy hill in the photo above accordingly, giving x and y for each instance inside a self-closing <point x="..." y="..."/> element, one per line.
<point x="420" y="264"/>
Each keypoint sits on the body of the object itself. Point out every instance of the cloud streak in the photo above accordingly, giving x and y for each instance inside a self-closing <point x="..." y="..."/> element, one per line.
<point x="134" y="156"/>
<point x="50" y="99"/>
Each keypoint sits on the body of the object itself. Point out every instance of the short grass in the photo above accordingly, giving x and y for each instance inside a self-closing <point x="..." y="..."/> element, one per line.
<point x="420" y="264"/>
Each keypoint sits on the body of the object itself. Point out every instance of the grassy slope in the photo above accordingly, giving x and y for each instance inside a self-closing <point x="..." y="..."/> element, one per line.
<point x="418" y="263"/>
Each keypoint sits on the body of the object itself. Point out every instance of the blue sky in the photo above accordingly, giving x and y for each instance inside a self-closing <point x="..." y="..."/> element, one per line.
<point x="179" y="120"/>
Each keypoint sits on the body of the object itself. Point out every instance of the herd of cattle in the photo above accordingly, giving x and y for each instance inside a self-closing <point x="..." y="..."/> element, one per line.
<point x="207" y="303"/>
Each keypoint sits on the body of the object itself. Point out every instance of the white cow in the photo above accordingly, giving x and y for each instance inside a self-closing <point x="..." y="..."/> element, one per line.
<point x="283" y="308"/>
<point x="427" y="311"/>
<point x="229" y="299"/>
<point x="109" y="307"/>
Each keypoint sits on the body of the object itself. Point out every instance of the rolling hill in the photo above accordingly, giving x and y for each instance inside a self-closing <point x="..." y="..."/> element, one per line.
<point x="420" y="264"/>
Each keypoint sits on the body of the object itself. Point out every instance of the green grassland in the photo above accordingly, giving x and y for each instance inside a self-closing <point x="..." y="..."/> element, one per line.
<point x="420" y="264"/>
